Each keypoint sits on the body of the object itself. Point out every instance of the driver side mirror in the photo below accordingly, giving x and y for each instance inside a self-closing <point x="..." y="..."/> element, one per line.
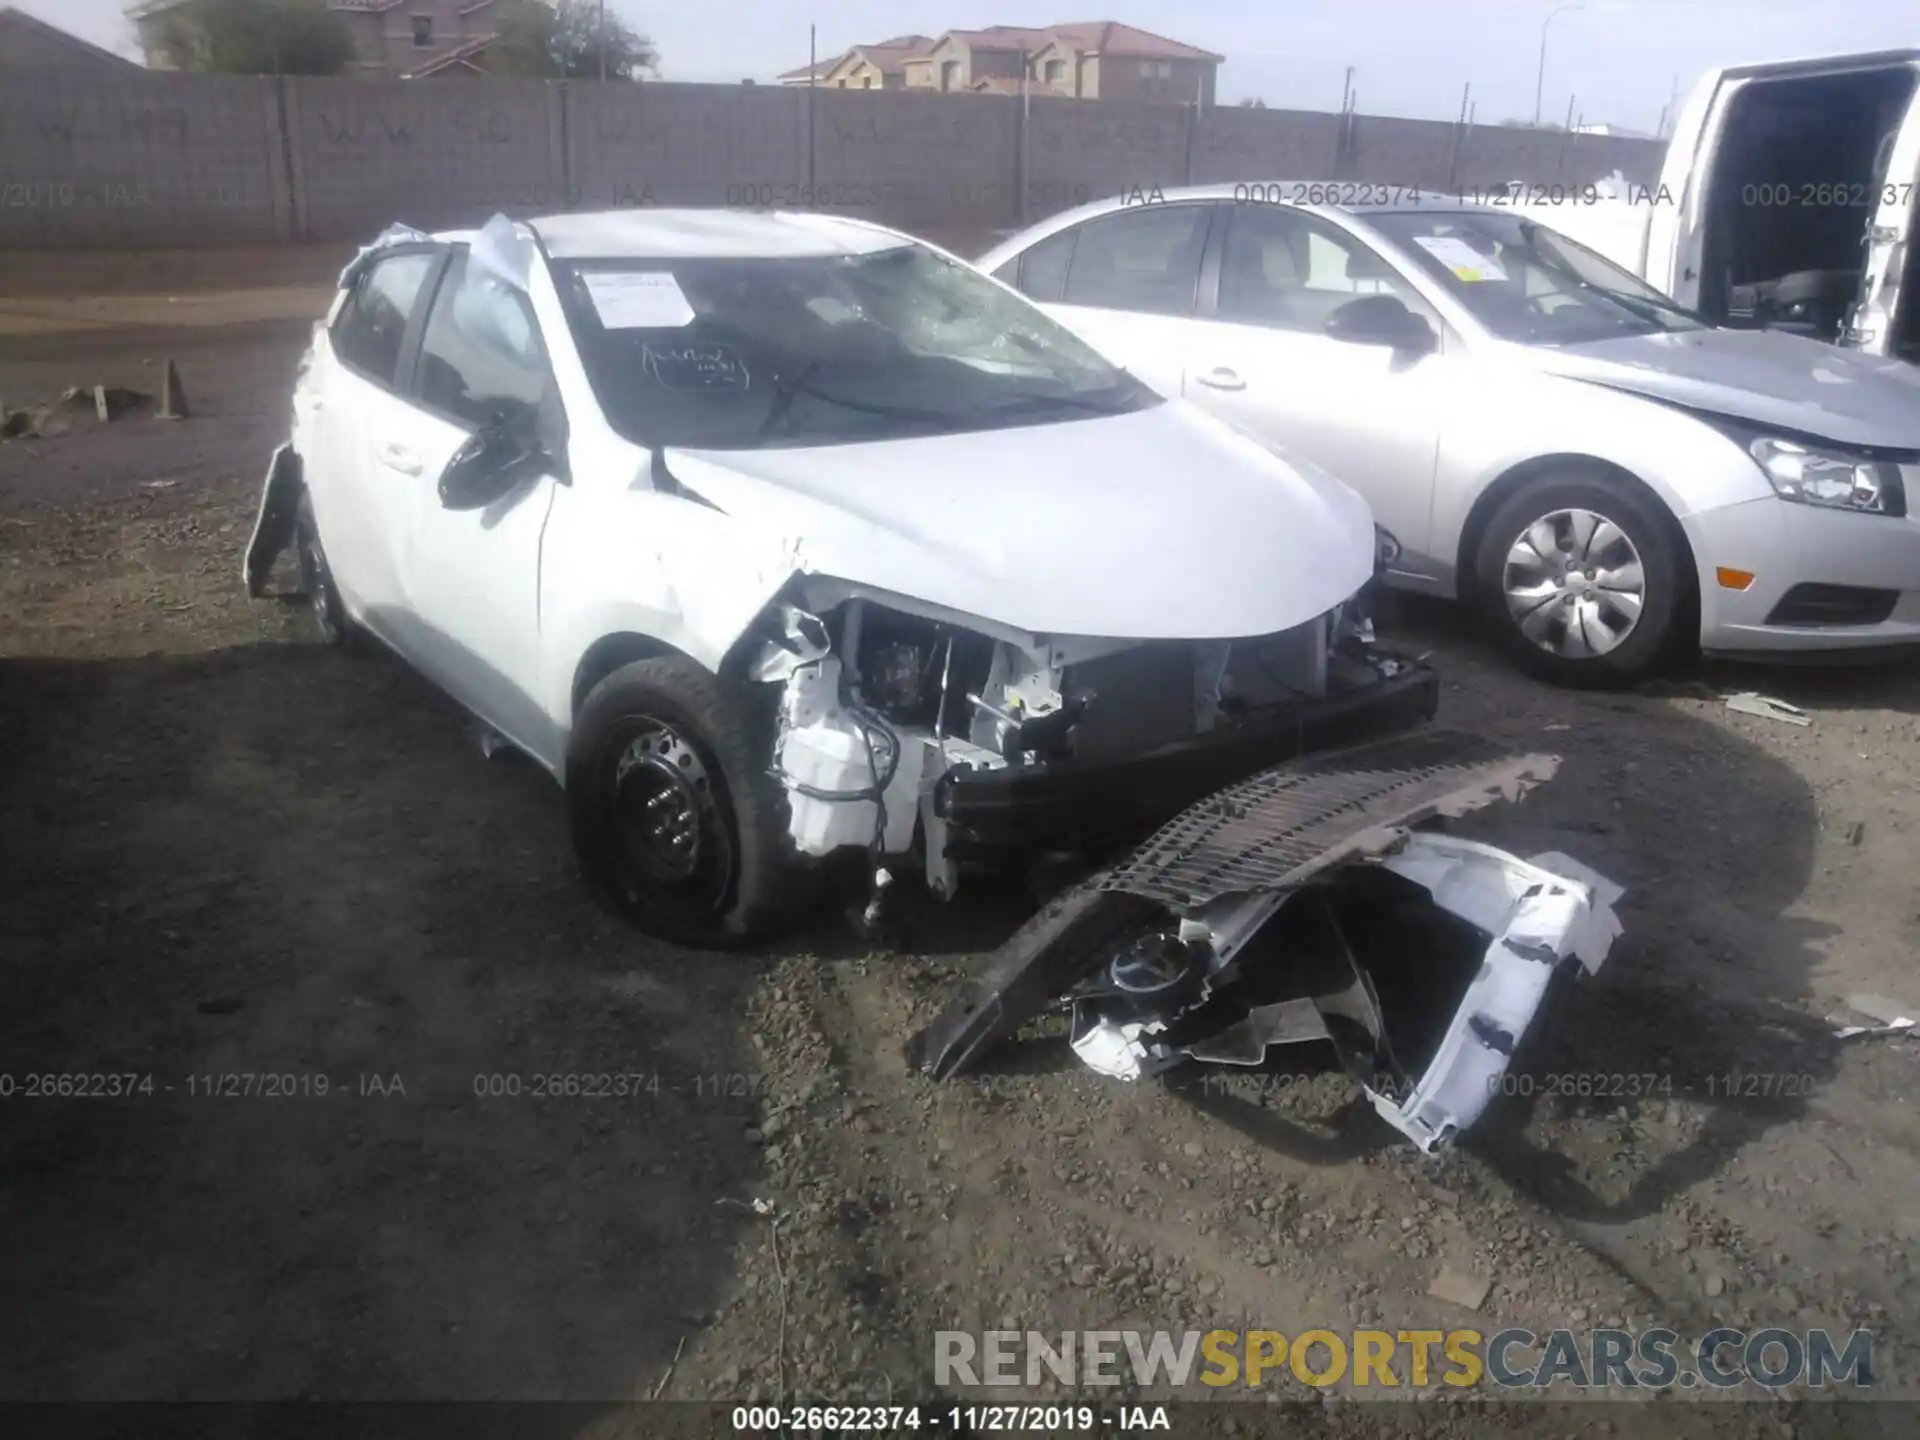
<point x="502" y="454"/>
<point x="1381" y="320"/>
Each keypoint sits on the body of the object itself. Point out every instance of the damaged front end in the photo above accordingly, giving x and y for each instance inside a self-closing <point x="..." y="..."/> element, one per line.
<point x="945" y="741"/>
<point x="1308" y="904"/>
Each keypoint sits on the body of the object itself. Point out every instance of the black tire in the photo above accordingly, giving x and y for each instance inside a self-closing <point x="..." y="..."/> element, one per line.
<point x="715" y="869"/>
<point x="1565" y="653"/>
<point x="328" y="614"/>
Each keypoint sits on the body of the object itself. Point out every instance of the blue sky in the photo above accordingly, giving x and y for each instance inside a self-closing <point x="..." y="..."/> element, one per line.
<point x="1618" y="59"/>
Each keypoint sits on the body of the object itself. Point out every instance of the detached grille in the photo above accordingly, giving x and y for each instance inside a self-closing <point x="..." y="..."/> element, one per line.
<point x="1279" y="828"/>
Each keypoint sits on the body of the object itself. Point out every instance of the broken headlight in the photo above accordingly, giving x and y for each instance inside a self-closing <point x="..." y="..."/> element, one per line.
<point x="1834" y="479"/>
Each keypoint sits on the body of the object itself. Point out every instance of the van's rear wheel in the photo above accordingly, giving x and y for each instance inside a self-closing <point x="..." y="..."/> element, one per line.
<point x="1583" y="579"/>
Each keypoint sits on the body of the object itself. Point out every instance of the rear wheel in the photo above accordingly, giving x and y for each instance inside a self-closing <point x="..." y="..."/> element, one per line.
<point x="1583" y="578"/>
<point x="329" y="615"/>
<point x="677" y="824"/>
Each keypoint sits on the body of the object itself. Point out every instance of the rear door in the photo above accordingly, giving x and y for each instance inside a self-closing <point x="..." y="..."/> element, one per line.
<point x="1884" y="322"/>
<point x="354" y="480"/>
<point x="1127" y="282"/>
<point x="1675" y="230"/>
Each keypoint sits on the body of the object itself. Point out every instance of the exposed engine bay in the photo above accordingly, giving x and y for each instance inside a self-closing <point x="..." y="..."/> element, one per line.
<point x="887" y="708"/>
<point x="1310" y="904"/>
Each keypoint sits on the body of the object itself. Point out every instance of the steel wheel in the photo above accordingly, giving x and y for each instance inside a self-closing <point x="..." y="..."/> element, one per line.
<point x="677" y="842"/>
<point x="1575" y="584"/>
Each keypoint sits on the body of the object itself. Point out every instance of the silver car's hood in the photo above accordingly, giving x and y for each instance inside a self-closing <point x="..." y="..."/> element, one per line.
<point x="1761" y="376"/>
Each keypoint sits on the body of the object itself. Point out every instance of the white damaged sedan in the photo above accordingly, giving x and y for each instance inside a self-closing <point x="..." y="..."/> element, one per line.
<point x="778" y="537"/>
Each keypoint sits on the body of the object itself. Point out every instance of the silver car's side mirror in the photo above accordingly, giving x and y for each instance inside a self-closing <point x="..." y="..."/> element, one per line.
<point x="1381" y="320"/>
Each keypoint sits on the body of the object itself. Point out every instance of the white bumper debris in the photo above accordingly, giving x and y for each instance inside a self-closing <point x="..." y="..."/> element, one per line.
<point x="1537" y="914"/>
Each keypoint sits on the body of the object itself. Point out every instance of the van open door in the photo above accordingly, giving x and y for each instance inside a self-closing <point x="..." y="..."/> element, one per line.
<point x="1768" y="185"/>
<point x="1886" y="321"/>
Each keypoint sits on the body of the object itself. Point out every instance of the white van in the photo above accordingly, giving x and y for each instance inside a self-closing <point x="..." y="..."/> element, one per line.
<point x="1786" y="202"/>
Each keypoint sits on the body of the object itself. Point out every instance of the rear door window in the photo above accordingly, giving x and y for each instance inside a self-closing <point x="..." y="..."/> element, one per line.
<point x="1043" y="269"/>
<point x="371" y="327"/>
<point x="1144" y="259"/>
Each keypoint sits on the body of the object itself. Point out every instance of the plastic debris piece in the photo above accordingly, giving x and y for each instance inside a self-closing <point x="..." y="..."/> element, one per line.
<point x="1767" y="708"/>
<point x="1892" y="1015"/>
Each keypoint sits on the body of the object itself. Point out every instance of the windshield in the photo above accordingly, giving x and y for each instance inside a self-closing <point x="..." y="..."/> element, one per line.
<point x="1527" y="283"/>
<point x="824" y="350"/>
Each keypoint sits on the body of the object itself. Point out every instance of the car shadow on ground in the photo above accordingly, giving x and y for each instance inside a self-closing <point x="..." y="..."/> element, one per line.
<point x="354" y="1094"/>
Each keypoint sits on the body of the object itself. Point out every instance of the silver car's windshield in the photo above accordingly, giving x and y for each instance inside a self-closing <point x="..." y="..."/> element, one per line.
<point x="810" y="350"/>
<point x="1527" y="283"/>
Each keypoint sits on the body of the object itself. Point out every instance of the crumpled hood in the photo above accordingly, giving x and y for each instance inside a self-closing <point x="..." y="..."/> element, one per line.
<point x="1159" y="524"/>
<point x="1762" y="376"/>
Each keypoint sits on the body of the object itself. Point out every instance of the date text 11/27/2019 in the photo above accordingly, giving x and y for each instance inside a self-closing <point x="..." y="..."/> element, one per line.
<point x="953" y="1419"/>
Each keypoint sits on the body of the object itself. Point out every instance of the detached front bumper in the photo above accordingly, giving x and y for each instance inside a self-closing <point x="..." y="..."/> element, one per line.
<point x="1078" y="804"/>
<point x="1303" y="905"/>
<point x="1823" y="580"/>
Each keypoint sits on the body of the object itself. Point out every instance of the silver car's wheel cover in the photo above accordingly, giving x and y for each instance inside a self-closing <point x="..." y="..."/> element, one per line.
<point x="1574" y="584"/>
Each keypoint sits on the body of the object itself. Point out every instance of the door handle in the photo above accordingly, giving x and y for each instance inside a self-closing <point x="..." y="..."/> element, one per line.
<point x="1221" y="378"/>
<point x="398" y="457"/>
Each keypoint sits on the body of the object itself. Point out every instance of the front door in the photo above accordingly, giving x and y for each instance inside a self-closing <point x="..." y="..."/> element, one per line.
<point x="472" y="577"/>
<point x="1261" y="357"/>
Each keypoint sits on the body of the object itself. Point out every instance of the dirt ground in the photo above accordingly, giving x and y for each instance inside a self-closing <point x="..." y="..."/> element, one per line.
<point x="229" y="850"/>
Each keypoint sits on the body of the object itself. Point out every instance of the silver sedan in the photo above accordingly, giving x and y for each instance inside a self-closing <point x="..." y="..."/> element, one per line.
<point x="1602" y="472"/>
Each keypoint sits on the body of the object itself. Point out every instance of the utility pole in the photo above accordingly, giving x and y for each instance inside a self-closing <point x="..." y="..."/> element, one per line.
<point x="813" y="79"/>
<point x="602" y="46"/>
<point x="1540" y="80"/>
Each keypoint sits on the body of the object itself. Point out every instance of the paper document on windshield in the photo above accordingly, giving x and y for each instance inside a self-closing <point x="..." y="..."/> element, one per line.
<point x="638" y="299"/>
<point x="1461" y="258"/>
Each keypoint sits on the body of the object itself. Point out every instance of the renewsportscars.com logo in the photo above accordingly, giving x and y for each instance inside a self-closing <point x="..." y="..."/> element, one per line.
<point x="1722" y="1358"/>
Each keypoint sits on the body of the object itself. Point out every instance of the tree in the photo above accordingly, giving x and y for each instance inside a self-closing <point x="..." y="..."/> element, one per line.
<point x="256" y="37"/>
<point x="1253" y="102"/>
<point x="562" y="41"/>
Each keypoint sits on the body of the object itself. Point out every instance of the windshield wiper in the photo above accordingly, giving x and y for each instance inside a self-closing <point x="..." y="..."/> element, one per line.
<point x="784" y="395"/>
<point x="1648" y="307"/>
<point x="801" y="382"/>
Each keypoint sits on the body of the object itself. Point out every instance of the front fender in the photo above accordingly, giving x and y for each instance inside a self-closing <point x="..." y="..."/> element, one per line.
<point x="1689" y="465"/>
<point x="672" y="570"/>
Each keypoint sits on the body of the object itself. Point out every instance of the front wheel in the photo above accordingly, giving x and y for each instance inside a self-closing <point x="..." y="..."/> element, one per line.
<point x="677" y="823"/>
<point x="1583" y="579"/>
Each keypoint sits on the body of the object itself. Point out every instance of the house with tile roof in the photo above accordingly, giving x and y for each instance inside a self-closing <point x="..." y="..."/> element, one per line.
<point x="1091" y="60"/>
<point x="392" y="39"/>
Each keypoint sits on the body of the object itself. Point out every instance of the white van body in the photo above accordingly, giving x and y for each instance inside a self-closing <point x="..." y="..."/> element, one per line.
<point x="1787" y="201"/>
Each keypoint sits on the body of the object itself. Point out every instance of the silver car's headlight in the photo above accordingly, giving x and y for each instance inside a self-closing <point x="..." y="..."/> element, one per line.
<point x="1830" y="478"/>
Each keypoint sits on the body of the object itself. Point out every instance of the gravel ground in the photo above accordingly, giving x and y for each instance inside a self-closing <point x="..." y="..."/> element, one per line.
<point x="230" y="850"/>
